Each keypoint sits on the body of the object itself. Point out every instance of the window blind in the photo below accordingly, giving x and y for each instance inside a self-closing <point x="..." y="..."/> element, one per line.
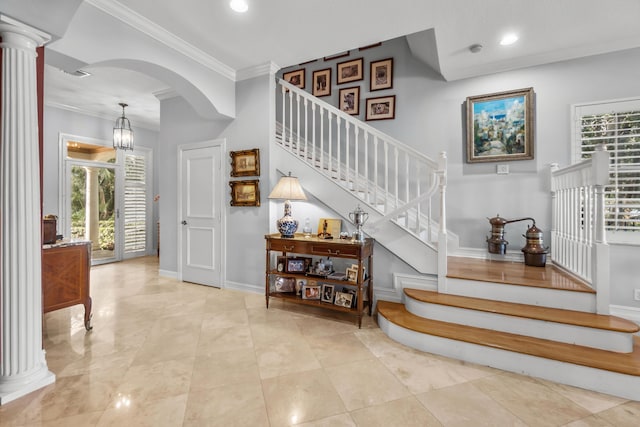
<point x="135" y="204"/>
<point x="617" y="126"/>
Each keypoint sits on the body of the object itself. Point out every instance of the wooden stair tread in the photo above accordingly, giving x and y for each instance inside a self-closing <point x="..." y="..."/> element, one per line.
<point x="514" y="273"/>
<point x="569" y="317"/>
<point x="624" y="363"/>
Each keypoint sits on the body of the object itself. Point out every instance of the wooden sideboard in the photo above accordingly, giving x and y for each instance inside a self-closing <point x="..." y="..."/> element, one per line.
<point x="65" y="277"/>
<point x="344" y="252"/>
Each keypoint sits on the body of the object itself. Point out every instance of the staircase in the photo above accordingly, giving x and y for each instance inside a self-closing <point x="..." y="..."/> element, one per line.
<point x="549" y="322"/>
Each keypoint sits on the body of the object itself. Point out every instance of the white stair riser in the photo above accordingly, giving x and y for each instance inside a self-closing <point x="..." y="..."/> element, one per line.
<point x="554" y="298"/>
<point x="625" y="386"/>
<point x="596" y="338"/>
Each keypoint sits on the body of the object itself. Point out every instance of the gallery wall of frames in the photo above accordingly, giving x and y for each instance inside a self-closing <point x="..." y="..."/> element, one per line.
<point x="350" y="75"/>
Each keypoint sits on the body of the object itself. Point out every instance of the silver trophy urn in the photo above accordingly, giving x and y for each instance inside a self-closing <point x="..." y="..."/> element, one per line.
<point x="358" y="217"/>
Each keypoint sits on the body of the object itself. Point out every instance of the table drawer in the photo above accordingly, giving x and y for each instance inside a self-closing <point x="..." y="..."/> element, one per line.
<point x="326" y="249"/>
<point x="287" y="246"/>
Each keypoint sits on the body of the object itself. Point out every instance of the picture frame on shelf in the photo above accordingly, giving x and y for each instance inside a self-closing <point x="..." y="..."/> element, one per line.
<point x="381" y="108"/>
<point x="329" y="228"/>
<point x="327" y="293"/>
<point x="352" y="274"/>
<point x="245" y="193"/>
<point x="311" y="292"/>
<point x="285" y="284"/>
<point x="297" y="265"/>
<point x="381" y="76"/>
<point x="295" y="77"/>
<point x="500" y="126"/>
<point x="300" y="283"/>
<point x="350" y="71"/>
<point x="281" y="264"/>
<point x="245" y="162"/>
<point x="343" y="299"/>
<point x="321" y="82"/>
<point x="349" y="100"/>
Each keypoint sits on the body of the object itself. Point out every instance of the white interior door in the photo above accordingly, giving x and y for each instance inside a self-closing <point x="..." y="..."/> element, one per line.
<point x="200" y="214"/>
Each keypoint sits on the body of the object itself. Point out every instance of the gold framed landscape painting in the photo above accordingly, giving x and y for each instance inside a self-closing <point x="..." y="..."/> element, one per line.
<point x="245" y="193"/>
<point x="500" y="126"/>
<point x="245" y="163"/>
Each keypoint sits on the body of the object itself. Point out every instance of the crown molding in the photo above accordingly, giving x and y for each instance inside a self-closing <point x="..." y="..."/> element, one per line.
<point x="139" y="123"/>
<point x="142" y="24"/>
<point x="165" y="94"/>
<point x="268" y="68"/>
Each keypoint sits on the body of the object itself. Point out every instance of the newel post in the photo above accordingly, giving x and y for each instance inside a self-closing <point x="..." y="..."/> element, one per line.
<point x="600" y="251"/>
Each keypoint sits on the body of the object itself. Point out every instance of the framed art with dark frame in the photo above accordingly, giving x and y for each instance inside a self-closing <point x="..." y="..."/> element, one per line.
<point x="245" y="193"/>
<point x="297" y="265"/>
<point x="350" y="71"/>
<point x="350" y="100"/>
<point x="381" y="74"/>
<point x="500" y="126"/>
<point x="245" y="163"/>
<point x="381" y="108"/>
<point x="327" y="293"/>
<point x="295" y="77"/>
<point x="322" y="82"/>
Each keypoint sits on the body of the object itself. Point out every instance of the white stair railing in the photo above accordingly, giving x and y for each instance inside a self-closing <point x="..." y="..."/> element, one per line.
<point x="578" y="239"/>
<point x="385" y="174"/>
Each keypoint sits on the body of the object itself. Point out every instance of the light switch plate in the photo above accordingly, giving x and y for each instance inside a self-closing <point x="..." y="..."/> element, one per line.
<point x="502" y="169"/>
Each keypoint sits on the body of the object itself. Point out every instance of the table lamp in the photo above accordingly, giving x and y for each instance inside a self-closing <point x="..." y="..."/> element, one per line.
<point x="287" y="189"/>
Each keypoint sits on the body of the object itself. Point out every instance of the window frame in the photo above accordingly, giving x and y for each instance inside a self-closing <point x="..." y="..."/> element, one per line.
<point x="580" y="110"/>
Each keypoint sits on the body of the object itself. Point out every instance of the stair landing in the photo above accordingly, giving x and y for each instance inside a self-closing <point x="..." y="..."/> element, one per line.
<point x="514" y="273"/>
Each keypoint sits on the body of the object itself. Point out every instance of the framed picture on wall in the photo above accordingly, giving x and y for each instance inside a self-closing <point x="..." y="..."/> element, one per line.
<point x="295" y="77"/>
<point x="245" y="193"/>
<point x="381" y="108"/>
<point x="350" y="71"/>
<point x="245" y="163"/>
<point x="349" y="100"/>
<point x="322" y="82"/>
<point x="381" y="76"/>
<point x="500" y="126"/>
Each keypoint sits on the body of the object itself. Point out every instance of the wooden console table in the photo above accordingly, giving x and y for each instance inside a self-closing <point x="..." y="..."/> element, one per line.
<point x="65" y="277"/>
<point x="342" y="251"/>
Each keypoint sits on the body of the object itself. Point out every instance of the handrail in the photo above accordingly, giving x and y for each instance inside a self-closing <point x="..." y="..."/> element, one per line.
<point x="347" y="117"/>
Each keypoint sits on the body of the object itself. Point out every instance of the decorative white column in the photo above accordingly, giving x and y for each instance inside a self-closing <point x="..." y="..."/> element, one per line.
<point x="23" y="367"/>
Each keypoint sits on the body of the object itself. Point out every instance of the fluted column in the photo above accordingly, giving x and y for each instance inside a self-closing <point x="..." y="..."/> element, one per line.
<point x="23" y="367"/>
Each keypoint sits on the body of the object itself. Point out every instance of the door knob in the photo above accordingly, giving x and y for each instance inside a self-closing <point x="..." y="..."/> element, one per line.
<point x="184" y="222"/>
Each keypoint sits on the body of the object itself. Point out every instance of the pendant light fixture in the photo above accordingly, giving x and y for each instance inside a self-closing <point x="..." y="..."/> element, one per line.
<point x="122" y="133"/>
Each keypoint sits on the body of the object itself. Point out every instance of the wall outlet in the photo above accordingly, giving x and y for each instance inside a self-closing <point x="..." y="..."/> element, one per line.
<point x="502" y="169"/>
<point x="636" y="294"/>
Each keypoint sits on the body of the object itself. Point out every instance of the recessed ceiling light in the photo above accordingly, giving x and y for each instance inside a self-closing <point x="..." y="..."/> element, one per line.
<point x="240" y="6"/>
<point x="509" y="39"/>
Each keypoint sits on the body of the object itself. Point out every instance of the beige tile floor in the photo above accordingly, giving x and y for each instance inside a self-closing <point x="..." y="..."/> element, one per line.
<point x="165" y="353"/>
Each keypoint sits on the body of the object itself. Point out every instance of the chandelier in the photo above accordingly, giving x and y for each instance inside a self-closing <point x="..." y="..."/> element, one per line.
<point x="122" y="133"/>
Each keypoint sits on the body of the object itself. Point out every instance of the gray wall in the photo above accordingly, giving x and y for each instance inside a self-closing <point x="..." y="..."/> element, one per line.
<point x="430" y="117"/>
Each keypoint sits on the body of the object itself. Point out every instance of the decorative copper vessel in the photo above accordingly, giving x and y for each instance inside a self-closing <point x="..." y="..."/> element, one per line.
<point x="534" y="253"/>
<point x="497" y="244"/>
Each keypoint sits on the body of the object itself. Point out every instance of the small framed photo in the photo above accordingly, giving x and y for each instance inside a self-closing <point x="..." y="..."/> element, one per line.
<point x="343" y="299"/>
<point x="352" y="274"/>
<point x="281" y="264"/>
<point x="381" y="108"/>
<point x="311" y="292"/>
<point x="297" y="265"/>
<point x="245" y="193"/>
<point x="500" y="126"/>
<point x="245" y="163"/>
<point x="381" y="74"/>
<point x="329" y="228"/>
<point x="300" y="283"/>
<point x="285" y="284"/>
<point x="295" y="77"/>
<point x="327" y="293"/>
<point x="350" y="100"/>
<point x="322" y="82"/>
<point x="350" y="71"/>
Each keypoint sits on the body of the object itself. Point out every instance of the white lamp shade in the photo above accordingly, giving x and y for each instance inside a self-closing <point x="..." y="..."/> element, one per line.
<point x="288" y="188"/>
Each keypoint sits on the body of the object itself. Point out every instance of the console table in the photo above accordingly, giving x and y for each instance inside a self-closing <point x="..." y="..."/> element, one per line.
<point x="65" y="277"/>
<point x="342" y="251"/>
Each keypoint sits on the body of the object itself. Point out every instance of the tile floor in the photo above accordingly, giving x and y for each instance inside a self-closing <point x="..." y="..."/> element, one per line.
<point x="165" y="353"/>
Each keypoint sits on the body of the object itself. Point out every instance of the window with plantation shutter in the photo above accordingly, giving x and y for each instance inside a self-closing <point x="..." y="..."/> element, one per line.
<point x="135" y="204"/>
<point x="617" y="126"/>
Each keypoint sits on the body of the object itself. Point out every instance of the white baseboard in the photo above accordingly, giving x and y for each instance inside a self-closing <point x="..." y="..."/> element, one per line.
<point x="255" y="289"/>
<point x="168" y="273"/>
<point x="626" y="312"/>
